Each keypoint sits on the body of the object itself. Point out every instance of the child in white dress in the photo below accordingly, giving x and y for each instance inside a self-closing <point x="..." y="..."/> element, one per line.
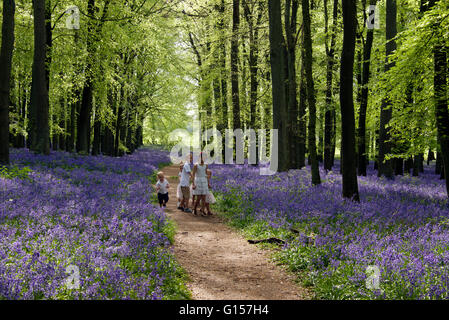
<point x="200" y="184"/>
<point x="209" y="197"/>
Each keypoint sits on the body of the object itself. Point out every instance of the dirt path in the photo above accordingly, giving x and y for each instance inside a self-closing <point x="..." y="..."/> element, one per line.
<point x="220" y="262"/>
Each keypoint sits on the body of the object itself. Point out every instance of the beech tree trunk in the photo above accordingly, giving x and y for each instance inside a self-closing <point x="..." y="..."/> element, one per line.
<point x="6" y="53"/>
<point x="235" y="64"/>
<point x="364" y="100"/>
<point x="302" y="129"/>
<point x="311" y="99"/>
<point x="84" y="119"/>
<point x="348" y="162"/>
<point x="441" y="107"/>
<point x="385" y="145"/>
<point x="329" y="133"/>
<point x="291" y="12"/>
<point x="277" y="62"/>
<point x="39" y="93"/>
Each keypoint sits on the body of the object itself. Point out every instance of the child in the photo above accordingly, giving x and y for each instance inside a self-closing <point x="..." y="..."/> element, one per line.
<point x="178" y="190"/>
<point x="162" y="189"/>
<point x="200" y="185"/>
<point x="185" y="185"/>
<point x="209" y="197"/>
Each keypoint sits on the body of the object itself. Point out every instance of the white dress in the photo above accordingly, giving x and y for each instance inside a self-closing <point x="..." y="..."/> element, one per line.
<point x="178" y="190"/>
<point x="201" y="181"/>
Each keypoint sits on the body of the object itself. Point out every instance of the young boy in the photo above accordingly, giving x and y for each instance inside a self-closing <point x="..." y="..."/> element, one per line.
<point x="162" y="189"/>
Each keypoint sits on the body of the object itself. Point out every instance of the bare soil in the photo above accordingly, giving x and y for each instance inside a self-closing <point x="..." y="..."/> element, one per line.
<point x="221" y="263"/>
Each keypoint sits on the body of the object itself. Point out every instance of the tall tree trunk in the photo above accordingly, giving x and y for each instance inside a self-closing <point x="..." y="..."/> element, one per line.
<point x="441" y="107"/>
<point x="416" y="160"/>
<point x="302" y="130"/>
<point x="348" y="163"/>
<point x="438" y="163"/>
<point x="224" y="123"/>
<point x="49" y="42"/>
<point x="63" y="125"/>
<point x="328" y="123"/>
<point x="96" y="145"/>
<point x="235" y="64"/>
<point x="118" y="124"/>
<point x="253" y="60"/>
<point x="107" y="144"/>
<point x="385" y="145"/>
<point x="6" y="52"/>
<point x="39" y="94"/>
<point x="84" y="119"/>
<point x="364" y="100"/>
<point x="290" y="31"/>
<point x="311" y="99"/>
<point x="277" y="76"/>
<point x="75" y="104"/>
<point x="83" y="125"/>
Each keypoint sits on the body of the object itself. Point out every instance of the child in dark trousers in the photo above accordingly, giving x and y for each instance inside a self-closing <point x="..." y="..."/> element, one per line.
<point x="162" y="189"/>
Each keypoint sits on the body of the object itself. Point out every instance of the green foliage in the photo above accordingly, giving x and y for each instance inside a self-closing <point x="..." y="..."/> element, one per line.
<point x="14" y="172"/>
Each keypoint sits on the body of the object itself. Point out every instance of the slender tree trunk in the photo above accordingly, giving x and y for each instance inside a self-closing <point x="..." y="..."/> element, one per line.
<point x="6" y="53"/>
<point x="441" y="107"/>
<point x="84" y="119"/>
<point x="362" y="152"/>
<point x="49" y="42"/>
<point x="83" y="125"/>
<point x="302" y="130"/>
<point x="118" y="124"/>
<point x="328" y="123"/>
<point x="39" y="92"/>
<point x="224" y="123"/>
<point x="290" y="31"/>
<point x="311" y="99"/>
<point x="438" y="163"/>
<point x="417" y="159"/>
<point x="63" y="125"/>
<point x="348" y="163"/>
<point x="235" y="64"/>
<point x="96" y="145"/>
<point x="253" y="60"/>
<point x="385" y="145"/>
<point x="277" y="75"/>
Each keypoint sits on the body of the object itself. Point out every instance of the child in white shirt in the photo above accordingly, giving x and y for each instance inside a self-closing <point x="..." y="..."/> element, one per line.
<point x="162" y="186"/>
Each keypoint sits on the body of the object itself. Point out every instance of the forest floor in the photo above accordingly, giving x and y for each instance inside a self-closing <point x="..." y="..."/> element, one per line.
<point x="222" y="264"/>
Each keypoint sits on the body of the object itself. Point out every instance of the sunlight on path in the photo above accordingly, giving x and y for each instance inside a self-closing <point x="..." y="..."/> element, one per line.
<point x="221" y="263"/>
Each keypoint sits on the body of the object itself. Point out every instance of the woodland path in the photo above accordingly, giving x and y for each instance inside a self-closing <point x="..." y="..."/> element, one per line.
<point x="221" y="264"/>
